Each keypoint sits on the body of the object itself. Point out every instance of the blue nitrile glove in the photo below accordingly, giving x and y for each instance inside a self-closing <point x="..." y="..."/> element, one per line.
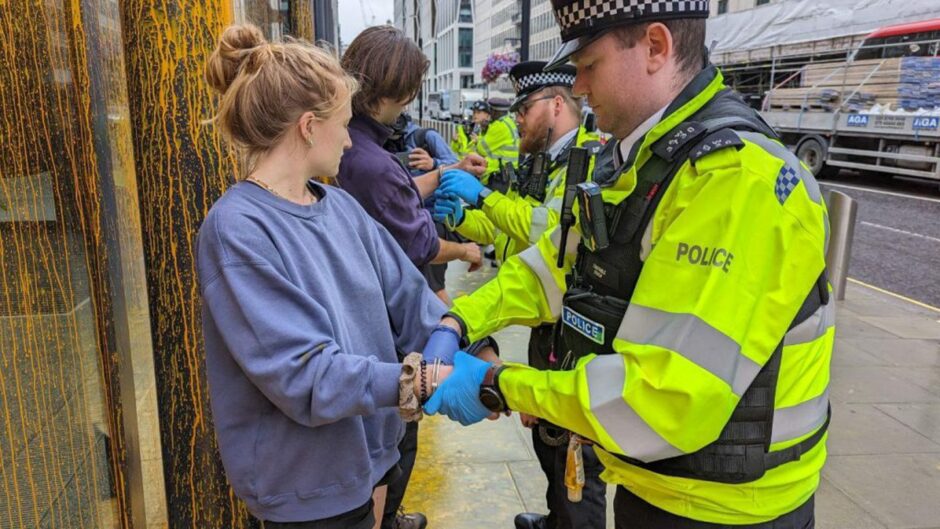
<point x="461" y="183"/>
<point x="448" y="210"/>
<point x="458" y="397"/>
<point x="443" y="343"/>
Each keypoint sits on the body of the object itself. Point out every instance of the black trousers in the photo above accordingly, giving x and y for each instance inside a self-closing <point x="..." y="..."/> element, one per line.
<point x="408" y="448"/>
<point x="591" y="511"/>
<point x="631" y="512"/>
<point x="359" y="518"/>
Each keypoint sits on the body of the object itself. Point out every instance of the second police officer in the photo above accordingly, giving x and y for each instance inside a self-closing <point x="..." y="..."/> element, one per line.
<point x="496" y="137"/>
<point x="548" y="118"/>
<point x="693" y="302"/>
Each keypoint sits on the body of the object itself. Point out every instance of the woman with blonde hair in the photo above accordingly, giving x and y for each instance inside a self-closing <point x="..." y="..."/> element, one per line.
<point x="305" y="299"/>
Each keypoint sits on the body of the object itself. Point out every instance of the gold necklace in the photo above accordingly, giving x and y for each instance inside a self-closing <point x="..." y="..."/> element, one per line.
<point x="264" y="185"/>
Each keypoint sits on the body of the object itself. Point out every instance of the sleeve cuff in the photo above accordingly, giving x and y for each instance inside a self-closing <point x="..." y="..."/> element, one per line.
<point x="385" y="384"/>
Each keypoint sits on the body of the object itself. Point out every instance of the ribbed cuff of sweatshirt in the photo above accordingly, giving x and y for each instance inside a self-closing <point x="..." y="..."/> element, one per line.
<point x="385" y="384"/>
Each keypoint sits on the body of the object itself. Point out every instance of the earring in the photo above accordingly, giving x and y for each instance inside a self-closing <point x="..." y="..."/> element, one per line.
<point x="310" y="141"/>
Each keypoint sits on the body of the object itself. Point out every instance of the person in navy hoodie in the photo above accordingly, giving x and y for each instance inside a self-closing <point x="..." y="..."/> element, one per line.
<point x="389" y="67"/>
<point x="306" y="300"/>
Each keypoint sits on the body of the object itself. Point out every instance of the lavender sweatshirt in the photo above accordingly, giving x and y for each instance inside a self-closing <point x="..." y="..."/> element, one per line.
<point x="303" y="309"/>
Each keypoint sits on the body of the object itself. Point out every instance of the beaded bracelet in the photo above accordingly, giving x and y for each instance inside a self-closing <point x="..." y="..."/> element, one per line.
<point x="424" y="382"/>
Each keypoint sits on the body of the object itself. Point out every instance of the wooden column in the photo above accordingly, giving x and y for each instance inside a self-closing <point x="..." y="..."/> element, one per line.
<point x="181" y="171"/>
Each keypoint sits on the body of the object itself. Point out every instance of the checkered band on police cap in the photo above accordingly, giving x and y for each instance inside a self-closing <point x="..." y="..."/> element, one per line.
<point x="579" y="15"/>
<point x="526" y="82"/>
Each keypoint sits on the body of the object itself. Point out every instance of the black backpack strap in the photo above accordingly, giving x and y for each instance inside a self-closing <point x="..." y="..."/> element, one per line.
<point x="421" y="140"/>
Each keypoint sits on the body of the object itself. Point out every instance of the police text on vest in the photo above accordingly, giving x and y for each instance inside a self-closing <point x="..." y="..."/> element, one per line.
<point x="705" y="256"/>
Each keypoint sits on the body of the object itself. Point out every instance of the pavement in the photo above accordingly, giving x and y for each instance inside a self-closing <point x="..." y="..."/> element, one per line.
<point x="884" y="442"/>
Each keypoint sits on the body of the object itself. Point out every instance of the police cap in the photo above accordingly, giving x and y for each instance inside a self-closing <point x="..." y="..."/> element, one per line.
<point x="528" y="78"/>
<point x="583" y="21"/>
<point x="498" y="104"/>
<point x="481" y="106"/>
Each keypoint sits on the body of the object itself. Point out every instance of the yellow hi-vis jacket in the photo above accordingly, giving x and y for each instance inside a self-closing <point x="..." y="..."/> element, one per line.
<point x="460" y="143"/>
<point x="500" y="143"/>
<point x="692" y="330"/>
<point x="512" y="223"/>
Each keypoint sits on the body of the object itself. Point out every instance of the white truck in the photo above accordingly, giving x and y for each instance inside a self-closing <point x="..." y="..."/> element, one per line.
<point x="867" y="102"/>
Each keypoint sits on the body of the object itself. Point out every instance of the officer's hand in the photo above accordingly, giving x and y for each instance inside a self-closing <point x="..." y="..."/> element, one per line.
<point x="472" y="255"/>
<point x="461" y="184"/>
<point x="529" y="421"/>
<point x="442" y="343"/>
<point x="473" y="163"/>
<point x="448" y="210"/>
<point x="420" y="159"/>
<point x="459" y="396"/>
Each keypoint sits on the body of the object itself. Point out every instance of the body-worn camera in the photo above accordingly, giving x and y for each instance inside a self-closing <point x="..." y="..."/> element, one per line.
<point x="592" y="216"/>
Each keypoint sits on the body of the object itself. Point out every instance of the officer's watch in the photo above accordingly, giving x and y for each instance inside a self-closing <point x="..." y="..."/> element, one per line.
<point x="482" y="196"/>
<point x="490" y="395"/>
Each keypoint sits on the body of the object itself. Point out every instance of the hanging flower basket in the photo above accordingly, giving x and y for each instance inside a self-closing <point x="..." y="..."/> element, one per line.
<point x="498" y="64"/>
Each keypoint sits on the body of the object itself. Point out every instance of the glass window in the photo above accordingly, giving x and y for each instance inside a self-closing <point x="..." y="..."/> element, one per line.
<point x="466" y="11"/>
<point x="722" y="7"/>
<point x="465" y="47"/>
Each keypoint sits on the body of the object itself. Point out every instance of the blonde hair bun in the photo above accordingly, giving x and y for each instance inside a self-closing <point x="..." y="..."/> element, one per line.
<point x="236" y="45"/>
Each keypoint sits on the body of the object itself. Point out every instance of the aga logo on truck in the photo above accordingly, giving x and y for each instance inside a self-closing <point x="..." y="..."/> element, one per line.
<point x="857" y="120"/>
<point x="926" y="123"/>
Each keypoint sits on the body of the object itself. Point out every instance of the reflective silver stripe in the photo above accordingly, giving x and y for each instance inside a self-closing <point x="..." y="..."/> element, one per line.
<point x="813" y="327"/>
<point x="532" y="257"/>
<point x="539" y="223"/>
<point x="555" y="204"/>
<point x="486" y="147"/>
<point x="694" y="339"/>
<point x="606" y="375"/>
<point x="778" y="150"/>
<point x="802" y="419"/>
<point x="574" y="239"/>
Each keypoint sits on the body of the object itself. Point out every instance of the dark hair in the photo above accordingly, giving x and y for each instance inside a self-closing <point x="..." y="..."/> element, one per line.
<point x="387" y="64"/>
<point x="688" y="36"/>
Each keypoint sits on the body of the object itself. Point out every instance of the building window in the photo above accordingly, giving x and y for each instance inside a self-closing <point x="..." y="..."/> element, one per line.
<point x="465" y="47"/>
<point x="466" y="12"/>
<point x="722" y="7"/>
<point x="466" y="81"/>
<point x="762" y="2"/>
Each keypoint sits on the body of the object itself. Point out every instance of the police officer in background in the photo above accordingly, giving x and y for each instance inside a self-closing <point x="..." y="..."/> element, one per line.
<point x="548" y="118"/>
<point x="693" y="295"/>
<point x="497" y="139"/>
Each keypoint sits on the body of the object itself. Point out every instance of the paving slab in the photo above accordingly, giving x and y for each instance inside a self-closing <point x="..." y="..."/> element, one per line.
<point x="925" y="377"/>
<point x="851" y="352"/>
<point x="922" y="418"/>
<point x="865" y="429"/>
<point x="906" y="327"/>
<point x="898" y="490"/>
<point x="874" y="385"/>
<point x="901" y="352"/>
<point x="835" y="510"/>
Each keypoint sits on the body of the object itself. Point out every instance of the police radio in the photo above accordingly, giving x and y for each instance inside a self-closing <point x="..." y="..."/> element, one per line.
<point x="509" y="174"/>
<point x="538" y="177"/>
<point x="576" y="174"/>
<point x="593" y="218"/>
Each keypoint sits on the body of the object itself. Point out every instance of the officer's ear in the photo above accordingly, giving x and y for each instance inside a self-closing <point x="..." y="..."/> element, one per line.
<point x="660" y="47"/>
